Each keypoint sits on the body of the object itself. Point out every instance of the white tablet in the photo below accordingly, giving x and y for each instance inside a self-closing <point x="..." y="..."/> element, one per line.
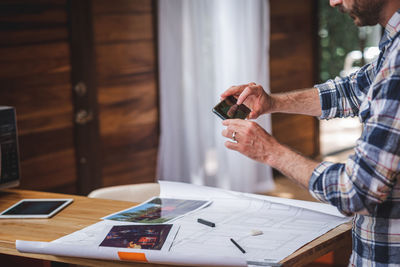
<point x="35" y="208"/>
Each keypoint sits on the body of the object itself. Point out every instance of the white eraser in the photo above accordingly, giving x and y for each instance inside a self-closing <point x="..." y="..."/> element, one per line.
<point x="256" y="232"/>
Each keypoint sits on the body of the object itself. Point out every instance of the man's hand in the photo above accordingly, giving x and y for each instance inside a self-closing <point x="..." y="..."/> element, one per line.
<point x="254" y="142"/>
<point x="304" y="101"/>
<point x="251" y="140"/>
<point x="253" y="96"/>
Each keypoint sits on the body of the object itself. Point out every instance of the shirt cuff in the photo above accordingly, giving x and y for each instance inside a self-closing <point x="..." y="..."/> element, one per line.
<point x="328" y="99"/>
<point x="316" y="185"/>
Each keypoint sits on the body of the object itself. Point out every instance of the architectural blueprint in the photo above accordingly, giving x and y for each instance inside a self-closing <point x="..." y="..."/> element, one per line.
<point x="282" y="226"/>
<point x="285" y="227"/>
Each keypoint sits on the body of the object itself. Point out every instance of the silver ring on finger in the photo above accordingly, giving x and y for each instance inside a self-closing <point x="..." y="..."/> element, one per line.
<point x="234" y="136"/>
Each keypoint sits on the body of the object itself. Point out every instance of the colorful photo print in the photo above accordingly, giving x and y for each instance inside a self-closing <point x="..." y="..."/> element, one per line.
<point x="137" y="236"/>
<point x="158" y="210"/>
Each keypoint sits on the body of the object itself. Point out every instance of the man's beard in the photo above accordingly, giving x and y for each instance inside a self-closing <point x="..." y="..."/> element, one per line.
<point x="365" y="13"/>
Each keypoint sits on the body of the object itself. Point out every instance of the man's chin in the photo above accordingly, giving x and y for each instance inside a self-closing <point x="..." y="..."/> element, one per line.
<point x="357" y="22"/>
<point x="361" y="23"/>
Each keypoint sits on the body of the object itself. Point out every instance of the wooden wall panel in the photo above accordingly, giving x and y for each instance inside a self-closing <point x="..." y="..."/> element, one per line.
<point x="123" y="7"/>
<point x="292" y="66"/>
<point x="127" y="90"/>
<point x="297" y="131"/>
<point x="126" y="115"/>
<point x="50" y="172"/>
<point x="124" y="27"/>
<point x="29" y="22"/>
<point x="130" y="169"/>
<point x="35" y="78"/>
<point x="121" y="59"/>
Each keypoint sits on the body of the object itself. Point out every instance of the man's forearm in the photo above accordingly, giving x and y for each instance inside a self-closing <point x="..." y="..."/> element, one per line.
<point x="304" y="101"/>
<point x="292" y="164"/>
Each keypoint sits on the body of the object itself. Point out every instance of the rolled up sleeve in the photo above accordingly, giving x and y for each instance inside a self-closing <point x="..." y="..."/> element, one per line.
<point x="342" y="97"/>
<point x="369" y="175"/>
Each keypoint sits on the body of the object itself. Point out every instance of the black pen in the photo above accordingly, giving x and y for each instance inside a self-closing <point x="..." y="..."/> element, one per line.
<point x="202" y="221"/>
<point x="237" y="245"/>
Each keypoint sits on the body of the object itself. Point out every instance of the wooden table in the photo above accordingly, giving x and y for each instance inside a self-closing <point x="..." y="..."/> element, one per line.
<point x="86" y="211"/>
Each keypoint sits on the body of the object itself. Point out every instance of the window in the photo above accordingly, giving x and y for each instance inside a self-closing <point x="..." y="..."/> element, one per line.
<point x="341" y="43"/>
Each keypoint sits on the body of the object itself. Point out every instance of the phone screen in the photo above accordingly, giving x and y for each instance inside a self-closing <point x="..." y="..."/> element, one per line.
<point x="228" y="109"/>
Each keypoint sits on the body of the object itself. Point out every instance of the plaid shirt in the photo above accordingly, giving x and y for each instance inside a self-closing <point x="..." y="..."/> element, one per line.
<point x="367" y="185"/>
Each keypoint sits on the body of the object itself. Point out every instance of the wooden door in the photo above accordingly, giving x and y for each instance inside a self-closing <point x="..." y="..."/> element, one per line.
<point x="125" y="46"/>
<point x="62" y="59"/>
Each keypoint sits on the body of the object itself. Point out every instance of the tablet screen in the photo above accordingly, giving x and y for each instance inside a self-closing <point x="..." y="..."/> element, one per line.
<point x="35" y="208"/>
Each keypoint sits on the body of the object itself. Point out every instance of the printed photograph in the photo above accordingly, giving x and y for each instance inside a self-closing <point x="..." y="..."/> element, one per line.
<point x="158" y="210"/>
<point x="137" y="236"/>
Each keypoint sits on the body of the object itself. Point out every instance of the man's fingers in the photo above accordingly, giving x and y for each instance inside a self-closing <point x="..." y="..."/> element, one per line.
<point x="249" y="90"/>
<point x="235" y="123"/>
<point x="253" y="115"/>
<point x="233" y="90"/>
<point x="232" y="132"/>
<point x="232" y="145"/>
<point x="227" y="133"/>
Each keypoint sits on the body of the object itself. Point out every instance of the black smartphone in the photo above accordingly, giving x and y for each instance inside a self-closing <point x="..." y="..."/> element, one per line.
<point x="228" y="109"/>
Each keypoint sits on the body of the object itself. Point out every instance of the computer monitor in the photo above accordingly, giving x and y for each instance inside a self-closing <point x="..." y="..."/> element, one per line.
<point x="9" y="156"/>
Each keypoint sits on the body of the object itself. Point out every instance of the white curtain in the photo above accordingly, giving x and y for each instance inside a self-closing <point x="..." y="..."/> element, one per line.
<point x="205" y="46"/>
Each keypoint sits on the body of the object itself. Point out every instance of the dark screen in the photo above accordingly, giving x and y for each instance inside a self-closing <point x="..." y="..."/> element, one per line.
<point x="34" y="207"/>
<point x="228" y="109"/>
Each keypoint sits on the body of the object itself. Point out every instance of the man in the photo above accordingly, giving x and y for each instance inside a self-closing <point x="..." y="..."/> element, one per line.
<point x="367" y="185"/>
